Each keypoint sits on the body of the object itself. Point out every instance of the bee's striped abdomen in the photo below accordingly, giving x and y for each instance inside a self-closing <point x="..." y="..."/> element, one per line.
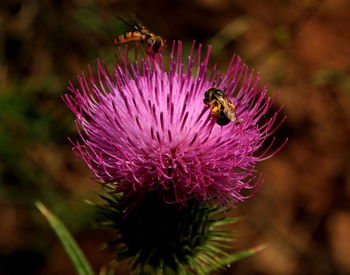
<point x="128" y="37"/>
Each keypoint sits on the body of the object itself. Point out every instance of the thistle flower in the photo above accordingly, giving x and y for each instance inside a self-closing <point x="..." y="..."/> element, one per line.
<point x="145" y="127"/>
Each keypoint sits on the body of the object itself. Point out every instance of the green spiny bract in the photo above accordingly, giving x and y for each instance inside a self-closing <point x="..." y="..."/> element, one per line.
<point x="166" y="238"/>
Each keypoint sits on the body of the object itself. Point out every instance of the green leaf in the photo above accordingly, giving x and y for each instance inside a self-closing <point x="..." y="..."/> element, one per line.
<point x="77" y="257"/>
<point x="235" y="257"/>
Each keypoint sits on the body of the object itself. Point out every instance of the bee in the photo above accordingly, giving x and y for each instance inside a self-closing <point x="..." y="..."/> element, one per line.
<point x="151" y="42"/>
<point x="222" y="109"/>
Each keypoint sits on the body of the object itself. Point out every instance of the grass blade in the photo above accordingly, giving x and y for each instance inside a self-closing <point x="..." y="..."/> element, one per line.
<point x="77" y="257"/>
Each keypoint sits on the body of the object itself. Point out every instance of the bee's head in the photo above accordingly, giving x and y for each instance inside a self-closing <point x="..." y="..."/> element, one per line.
<point x="155" y="43"/>
<point x="158" y="44"/>
<point x="212" y="94"/>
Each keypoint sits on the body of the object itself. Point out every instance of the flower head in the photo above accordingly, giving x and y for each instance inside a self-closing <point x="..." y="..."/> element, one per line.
<point x="145" y="127"/>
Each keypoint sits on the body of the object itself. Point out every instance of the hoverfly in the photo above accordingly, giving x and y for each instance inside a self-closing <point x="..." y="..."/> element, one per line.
<point x="222" y="109"/>
<point x="151" y="42"/>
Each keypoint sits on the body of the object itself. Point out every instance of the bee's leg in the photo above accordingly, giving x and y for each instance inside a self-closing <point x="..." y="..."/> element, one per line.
<point x="146" y="51"/>
<point x="239" y="121"/>
<point x="215" y="112"/>
<point x="215" y="109"/>
<point x="145" y="54"/>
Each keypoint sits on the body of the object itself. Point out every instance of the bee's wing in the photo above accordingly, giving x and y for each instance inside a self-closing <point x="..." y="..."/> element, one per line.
<point x="138" y="25"/>
<point x="133" y="22"/>
<point x="229" y="109"/>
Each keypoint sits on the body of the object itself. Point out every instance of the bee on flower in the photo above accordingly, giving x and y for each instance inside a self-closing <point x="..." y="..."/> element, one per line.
<point x="222" y="109"/>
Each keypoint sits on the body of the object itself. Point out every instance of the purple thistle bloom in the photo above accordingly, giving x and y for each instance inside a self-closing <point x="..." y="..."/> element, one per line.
<point x="145" y="127"/>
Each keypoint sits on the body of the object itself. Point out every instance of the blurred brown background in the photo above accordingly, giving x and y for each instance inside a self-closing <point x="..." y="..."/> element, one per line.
<point x="302" y="50"/>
